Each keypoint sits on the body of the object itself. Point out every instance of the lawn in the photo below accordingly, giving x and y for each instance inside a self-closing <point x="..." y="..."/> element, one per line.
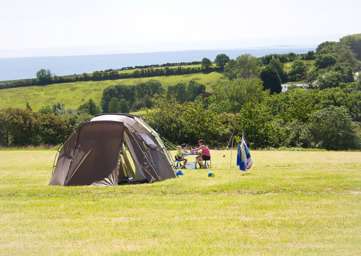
<point x="291" y="203"/>
<point x="72" y="95"/>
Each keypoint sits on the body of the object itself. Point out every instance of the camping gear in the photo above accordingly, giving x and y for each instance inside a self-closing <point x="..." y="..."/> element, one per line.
<point x="179" y="173"/>
<point x="244" y="160"/>
<point x="210" y="174"/>
<point x="112" y="149"/>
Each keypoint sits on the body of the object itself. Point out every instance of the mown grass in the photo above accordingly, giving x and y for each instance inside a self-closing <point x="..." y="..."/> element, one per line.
<point x="72" y="95"/>
<point x="291" y="203"/>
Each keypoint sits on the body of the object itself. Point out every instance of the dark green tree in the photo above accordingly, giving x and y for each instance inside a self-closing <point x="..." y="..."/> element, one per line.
<point x="206" y="64"/>
<point x="277" y="66"/>
<point x="114" y="105"/>
<point x="271" y="80"/>
<point x="221" y="60"/>
<point x="43" y="76"/>
<point x="325" y="61"/>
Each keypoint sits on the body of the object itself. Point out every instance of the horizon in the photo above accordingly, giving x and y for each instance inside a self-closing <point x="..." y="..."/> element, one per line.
<point x="67" y="28"/>
<point x="219" y="50"/>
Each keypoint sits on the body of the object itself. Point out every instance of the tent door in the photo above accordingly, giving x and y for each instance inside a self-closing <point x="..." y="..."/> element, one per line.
<point x="129" y="172"/>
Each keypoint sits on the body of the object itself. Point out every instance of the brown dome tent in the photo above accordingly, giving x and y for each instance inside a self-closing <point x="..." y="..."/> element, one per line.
<point x="110" y="150"/>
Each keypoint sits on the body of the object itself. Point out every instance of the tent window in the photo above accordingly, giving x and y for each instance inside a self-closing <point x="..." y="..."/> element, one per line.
<point x="148" y="140"/>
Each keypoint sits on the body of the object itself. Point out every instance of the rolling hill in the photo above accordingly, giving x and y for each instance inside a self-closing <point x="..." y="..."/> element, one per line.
<point x="74" y="94"/>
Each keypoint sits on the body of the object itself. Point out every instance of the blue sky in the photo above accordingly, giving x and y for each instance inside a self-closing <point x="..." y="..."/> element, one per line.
<point x="68" y="27"/>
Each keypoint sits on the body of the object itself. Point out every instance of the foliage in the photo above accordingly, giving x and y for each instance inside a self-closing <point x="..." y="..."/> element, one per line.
<point x="189" y="122"/>
<point x="283" y="58"/>
<point x="183" y="92"/>
<point x="75" y="94"/>
<point x="298" y="71"/>
<point x="325" y="61"/>
<point x="245" y="66"/>
<point x="206" y="64"/>
<point x="331" y="128"/>
<point x="23" y="127"/>
<point x="127" y="98"/>
<point x="277" y="66"/>
<point x="231" y="95"/>
<point x="271" y="80"/>
<point x="221" y="60"/>
<point x="89" y="107"/>
<point x="354" y="43"/>
<point x="43" y="76"/>
<point x="329" y="79"/>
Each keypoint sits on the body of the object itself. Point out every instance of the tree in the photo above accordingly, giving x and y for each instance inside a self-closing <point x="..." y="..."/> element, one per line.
<point x="310" y="55"/>
<point x="298" y="71"/>
<point x="354" y="43"/>
<point x="277" y="66"/>
<point x="114" y="106"/>
<point x="325" y="61"/>
<point x="206" y="64"/>
<point x="271" y="80"/>
<point x="245" y="66"/>
<point x="332" y="128"/>
<point x="89" y="107"/>
<point x="221" y="60"/>
<point x="178" y="92"/>
<point x="329" y="79"/>
<point x="43" y="76"/>
<point x="326" y="48"/>
<point x="231" y="95"/>
<point x="256" y="123"/>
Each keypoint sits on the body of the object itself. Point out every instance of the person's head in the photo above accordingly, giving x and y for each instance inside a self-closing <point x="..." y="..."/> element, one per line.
<point x="179" y="148"/>
<point x="200" y="142"/>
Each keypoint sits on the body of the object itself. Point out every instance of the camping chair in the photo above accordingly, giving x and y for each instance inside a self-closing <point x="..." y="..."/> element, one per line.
<point x="178" y="164"/>
<point x="206" y="164"/>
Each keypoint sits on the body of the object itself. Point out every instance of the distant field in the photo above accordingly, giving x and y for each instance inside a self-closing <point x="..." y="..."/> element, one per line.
<point x="74" y="94"/>
<point x="127" y="71"/>
<point x="309" y="63"/>
<point x="291" y="203"/>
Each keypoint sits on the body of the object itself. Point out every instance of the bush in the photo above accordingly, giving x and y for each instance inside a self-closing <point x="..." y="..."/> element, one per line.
<point x="20" y="127"/>
<point x="298" y="71"/>
<point x="231" y="95"/>
<point x="329" y="79"/>
<point x="325" y="61"/>
<point x="332" y="128"/>
<point x="189" y="122"/>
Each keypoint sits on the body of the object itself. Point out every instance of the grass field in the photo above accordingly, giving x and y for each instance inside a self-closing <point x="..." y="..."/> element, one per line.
<point x="291" y="203"/>
<point x="74" y="94"/>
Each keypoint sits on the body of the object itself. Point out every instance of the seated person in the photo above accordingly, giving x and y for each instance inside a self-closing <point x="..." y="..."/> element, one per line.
<point x="204" y="153"/>
<point x="179" y="157"/>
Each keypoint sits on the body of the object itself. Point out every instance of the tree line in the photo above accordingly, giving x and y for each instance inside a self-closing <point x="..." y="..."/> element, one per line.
<point x="45" y="77"/>
<point x="127" y="98"/>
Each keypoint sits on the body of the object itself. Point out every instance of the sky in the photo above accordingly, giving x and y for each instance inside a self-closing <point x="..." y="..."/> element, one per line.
<point x="77" y="27"/>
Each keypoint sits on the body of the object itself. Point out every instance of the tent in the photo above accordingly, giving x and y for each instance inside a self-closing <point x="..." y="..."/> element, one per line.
<point x="112" y="149"/>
